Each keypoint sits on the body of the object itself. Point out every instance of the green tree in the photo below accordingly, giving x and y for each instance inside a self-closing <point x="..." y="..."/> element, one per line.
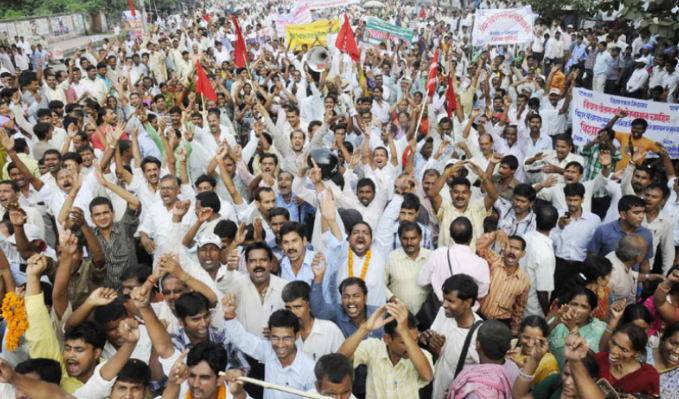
<point x="556" y="8"/>
<point x="658" y="17"/>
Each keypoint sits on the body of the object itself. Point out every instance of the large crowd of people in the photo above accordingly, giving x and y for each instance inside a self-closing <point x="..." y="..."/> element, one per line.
<point x="172" y="222"/>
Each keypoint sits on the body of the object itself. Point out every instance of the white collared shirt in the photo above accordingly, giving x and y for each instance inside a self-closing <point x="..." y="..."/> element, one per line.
<point x="444" y="371"/>
<point x="662" y="228"/>
<point x="253" y="313"/>
<point x="141" y="352"/>
<point x="325" y="338"/>
<point x="539" y="263"/>
<point x="571" y="242"/>
<point x="624" y="280"/>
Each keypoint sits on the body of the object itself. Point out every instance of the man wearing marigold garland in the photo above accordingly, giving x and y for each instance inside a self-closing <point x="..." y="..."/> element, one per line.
<point x="198" y="377"/>
<point x="363" y="255"/>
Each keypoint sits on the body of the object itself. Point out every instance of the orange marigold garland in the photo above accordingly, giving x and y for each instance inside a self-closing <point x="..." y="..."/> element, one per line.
<point x="220" y="395"/>
<point x="366" y="264"/>
<point x="14" y="312"/>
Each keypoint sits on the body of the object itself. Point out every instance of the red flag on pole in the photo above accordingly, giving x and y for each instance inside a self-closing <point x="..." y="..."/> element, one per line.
<point x="346" y="42"/>
<point x="203" y="86"/>
<point x="450" y="95"/>
<point x="240" y="50"/>
<point x="132" y="8"/>
<point x="207" y="18"/>
<point x="432" y="78"/>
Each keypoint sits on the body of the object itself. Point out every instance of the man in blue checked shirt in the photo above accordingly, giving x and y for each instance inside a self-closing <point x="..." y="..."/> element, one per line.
<point x="409" y="209"/>
<point x="285" y="364"/>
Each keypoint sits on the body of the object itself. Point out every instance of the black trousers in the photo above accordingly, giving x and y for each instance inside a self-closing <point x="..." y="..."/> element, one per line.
<point x="564" y="271"/>
<point x="611" y="87"/>
<point x="600" y="206"/>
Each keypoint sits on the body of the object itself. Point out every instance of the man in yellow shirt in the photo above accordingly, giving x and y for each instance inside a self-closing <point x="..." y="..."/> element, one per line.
<point x="634" y="141"/>
<point x="396" y="364"/>
<point x="83" y="344"/>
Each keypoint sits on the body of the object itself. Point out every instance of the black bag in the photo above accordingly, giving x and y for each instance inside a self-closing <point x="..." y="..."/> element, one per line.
<point x="465" y="347"/>
<point x="431" y="306"/>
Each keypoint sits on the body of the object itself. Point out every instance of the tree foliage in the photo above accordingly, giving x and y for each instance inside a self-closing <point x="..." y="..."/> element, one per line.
<point x="12" y="9"/>
<point x="659" y="17"/>
<point x="557" y="8"/>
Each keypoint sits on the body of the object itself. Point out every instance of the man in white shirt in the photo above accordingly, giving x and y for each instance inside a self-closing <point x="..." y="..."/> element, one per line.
<point x="554" y="108"/>
<point x="451" y="327"/>
<point x="222" y="55"/>
<point x="671" y="80"/>
<point x="552" y="163"/>
<point x="624" y="280"/>
<point x="317" y="337"/>
<point x="258" y="292"/>
<point x="574" y="230"/>
<point x="658" y="72"/>
<point x="637" y="82"/>
<point x="539" y="262"/>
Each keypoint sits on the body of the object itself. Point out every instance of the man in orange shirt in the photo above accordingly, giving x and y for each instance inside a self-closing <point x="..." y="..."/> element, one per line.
<point x="509" y="284"/>
<point x="634" y="141"/>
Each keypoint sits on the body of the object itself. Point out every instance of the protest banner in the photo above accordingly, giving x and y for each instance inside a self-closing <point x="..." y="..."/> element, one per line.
<point x="592" y="111"/>
<point x="307" y="33"/>
<point x="261" y="36"/>
<point x="324" y="4"/>
<point x="379" y="31"/>
<point x="298" y="16"/>
<point x="514" y="25"/>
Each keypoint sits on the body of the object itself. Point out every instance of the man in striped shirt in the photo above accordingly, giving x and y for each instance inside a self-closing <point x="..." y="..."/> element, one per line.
<point x="509" y="284"/>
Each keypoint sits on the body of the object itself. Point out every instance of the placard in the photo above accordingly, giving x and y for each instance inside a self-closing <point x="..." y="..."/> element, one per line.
<point x="504" y="26"/>
<point x="592" y="111"/>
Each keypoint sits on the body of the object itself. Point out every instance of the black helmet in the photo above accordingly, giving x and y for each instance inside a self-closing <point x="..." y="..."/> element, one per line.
<point x="326" y="160"/>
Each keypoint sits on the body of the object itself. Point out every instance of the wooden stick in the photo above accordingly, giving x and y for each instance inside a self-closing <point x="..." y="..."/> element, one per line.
<point x="269" y="385"/>
<point x="419" y="120"/>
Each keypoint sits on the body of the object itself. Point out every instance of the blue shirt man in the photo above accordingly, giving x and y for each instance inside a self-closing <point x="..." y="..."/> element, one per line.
<point x="606" y="237"/>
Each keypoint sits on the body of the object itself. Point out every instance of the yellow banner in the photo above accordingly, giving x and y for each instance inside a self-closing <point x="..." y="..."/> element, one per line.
<point x="307" y="33"/>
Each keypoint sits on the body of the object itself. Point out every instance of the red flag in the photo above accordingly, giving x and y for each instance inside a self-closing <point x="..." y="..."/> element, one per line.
<point x="346" y="42"/>
<point x="450" y="95"/>
<point x="241" y="50"/>
<point x="207" y="18"/>
<point x="203" y="86"/>
<point x="132" y="8"/>
<point x="432" y="78"/>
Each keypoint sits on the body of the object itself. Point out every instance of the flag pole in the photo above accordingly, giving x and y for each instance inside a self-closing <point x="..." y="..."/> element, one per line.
<point x="419" y="120"/>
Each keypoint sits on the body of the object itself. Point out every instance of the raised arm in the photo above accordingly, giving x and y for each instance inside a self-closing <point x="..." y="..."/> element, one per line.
<point x="132" y="200"/>
<point x="375" y="322"/>
<point x="8" y="143"/>
<point x="666" y="310"/>
<point x="31" y="387"/>
<point x="128" y="330"/>
<point x="68" y="244"/>
<point x="99" y="297"/>
<point x="160" y="338"/>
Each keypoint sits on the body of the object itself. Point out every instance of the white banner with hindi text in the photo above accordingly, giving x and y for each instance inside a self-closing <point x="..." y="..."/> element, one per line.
<point x="505" y="26"/>
<point x="592" y="111"/>
<point x="323" y="4"/>
<point x="298" y="16"/>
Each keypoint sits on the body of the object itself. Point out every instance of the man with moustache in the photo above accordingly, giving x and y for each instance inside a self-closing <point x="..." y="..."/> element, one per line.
<point x="286" y="199"/>
<point x="208" y="267"/>
<point x="199" y="377"/>
<point x="258" y="292"/>
<point x="361" y="254"/>
<point x="509" y="284"/>
<point x="296" y="265"/>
